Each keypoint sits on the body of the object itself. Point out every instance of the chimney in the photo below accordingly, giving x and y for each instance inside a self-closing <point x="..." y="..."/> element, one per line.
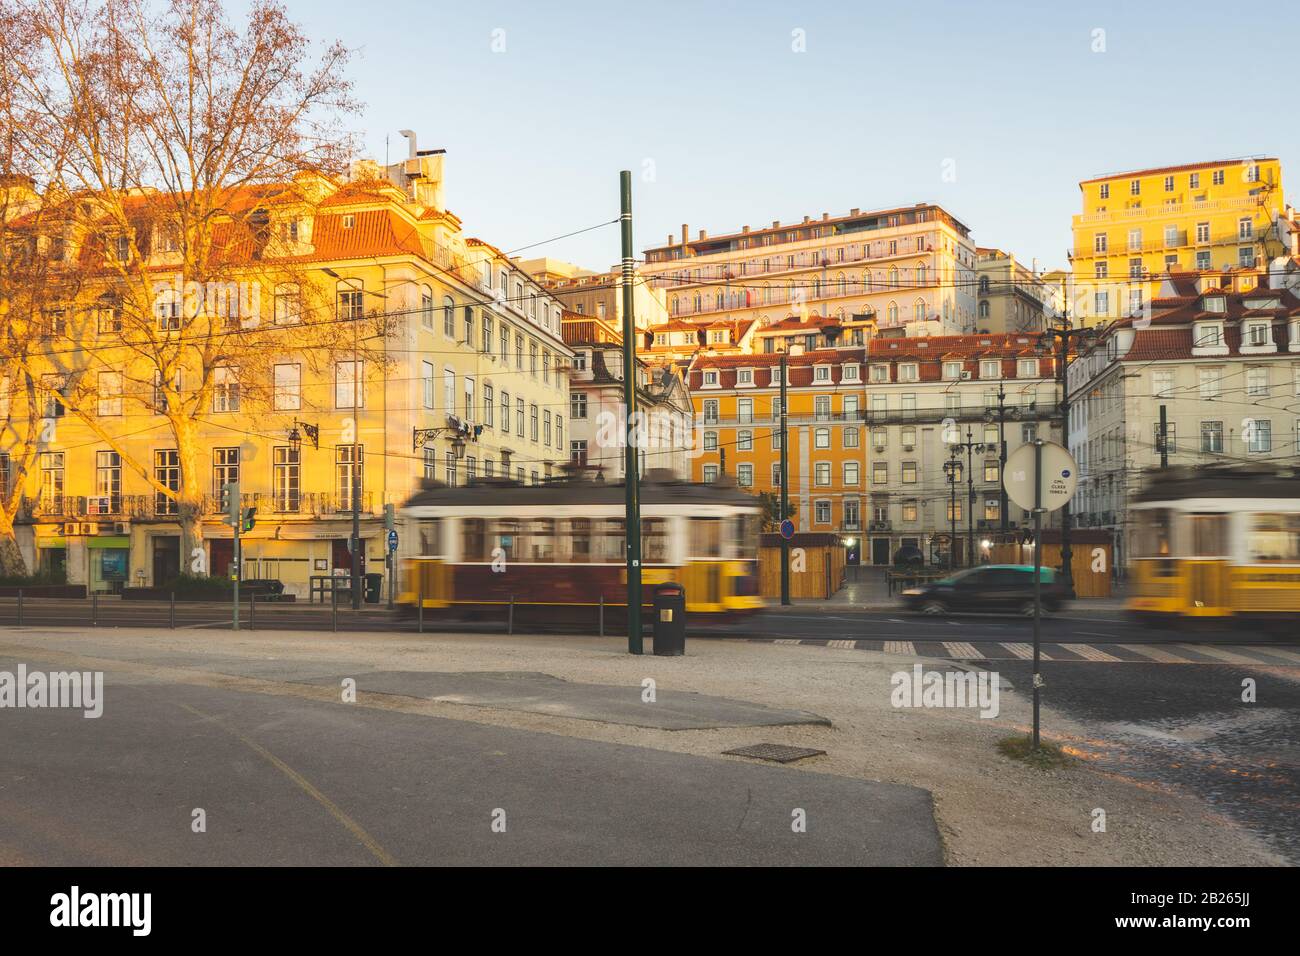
<point x="807" y="218"/>
<point x="703" y="235"/>
<point x="854" y="211"/>
<point x="670" y="239"/>
<point x="826" y="217"/>
<point x="776" y="223"/>
<point x="686" y="234"/>
<point x="744" y="229"/>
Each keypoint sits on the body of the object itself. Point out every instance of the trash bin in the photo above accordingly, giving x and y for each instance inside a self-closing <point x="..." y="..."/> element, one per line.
<point x="374" y="587"/>
<point x="670" y="619"/>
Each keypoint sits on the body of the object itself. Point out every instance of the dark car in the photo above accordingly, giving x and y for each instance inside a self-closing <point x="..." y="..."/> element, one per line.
<point x="909" y="557"/>
<point x="993" y="588"/>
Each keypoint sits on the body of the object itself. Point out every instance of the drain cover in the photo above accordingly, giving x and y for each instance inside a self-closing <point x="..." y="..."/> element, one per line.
<point x="778" y="752"/>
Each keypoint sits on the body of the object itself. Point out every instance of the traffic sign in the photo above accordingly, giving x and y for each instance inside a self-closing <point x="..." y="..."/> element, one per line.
<point x="787" y="529"/>
<point x="392" y="541"/>
<point x="1059" y="477"/>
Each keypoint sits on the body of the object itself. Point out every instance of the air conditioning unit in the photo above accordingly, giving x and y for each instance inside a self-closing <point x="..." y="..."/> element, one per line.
<point x="965" y="375"/>
<point x="121" y="527"/>
<point x="880" y="448"/>
<point x="908" y="447"/>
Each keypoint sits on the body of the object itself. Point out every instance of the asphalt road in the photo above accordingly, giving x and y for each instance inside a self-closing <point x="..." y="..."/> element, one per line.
<point x="285" y="780"/>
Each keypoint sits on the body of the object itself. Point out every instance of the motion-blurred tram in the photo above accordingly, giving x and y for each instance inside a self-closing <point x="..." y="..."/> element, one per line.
<point x="1219" y="545"/>
<point x="555" y="552"/>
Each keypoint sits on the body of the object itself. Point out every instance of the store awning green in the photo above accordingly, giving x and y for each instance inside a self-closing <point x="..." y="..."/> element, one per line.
<point x="53" y="544"/>
<point x="109" y="541"/>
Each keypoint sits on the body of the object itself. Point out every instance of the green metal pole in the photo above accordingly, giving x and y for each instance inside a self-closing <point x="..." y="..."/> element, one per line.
<point x="632" y="499"/>
<point x="238" y="567"/>
<point x="785" y="489"/>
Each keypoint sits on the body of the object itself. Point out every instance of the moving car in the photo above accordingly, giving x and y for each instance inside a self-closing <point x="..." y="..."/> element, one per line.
<point x="996" y="588"/>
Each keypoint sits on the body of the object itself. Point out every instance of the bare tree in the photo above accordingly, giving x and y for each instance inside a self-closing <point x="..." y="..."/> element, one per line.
<point x="188" y="157"/>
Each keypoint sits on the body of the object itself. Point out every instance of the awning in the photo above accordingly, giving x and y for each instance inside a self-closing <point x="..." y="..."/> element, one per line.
<point x="109" y="541"/>
<point x="52" y="543"/>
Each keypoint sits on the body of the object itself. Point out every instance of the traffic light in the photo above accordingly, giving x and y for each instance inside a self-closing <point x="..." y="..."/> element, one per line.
<point x="249" y="519"/>
<point x="390" y="517"/>
<point x="230" y="503"/>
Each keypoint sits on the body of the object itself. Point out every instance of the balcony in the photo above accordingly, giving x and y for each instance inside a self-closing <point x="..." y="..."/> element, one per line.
<point x="1159" y="211"/>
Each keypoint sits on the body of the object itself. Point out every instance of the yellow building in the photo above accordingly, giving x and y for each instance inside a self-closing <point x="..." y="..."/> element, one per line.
<point x="736" y="399"/>
<point x="1136" y="227"/>
<point x="462" y="365"/>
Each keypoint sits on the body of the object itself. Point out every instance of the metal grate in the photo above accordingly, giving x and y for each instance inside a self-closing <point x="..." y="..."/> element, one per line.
<point x="777" y="752"/>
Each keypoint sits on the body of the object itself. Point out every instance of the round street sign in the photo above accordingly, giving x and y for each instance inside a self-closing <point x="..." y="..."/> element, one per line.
<point x="787" y="529"/>
<point x="392" y="541"/>
<point x="1058" y="480"/>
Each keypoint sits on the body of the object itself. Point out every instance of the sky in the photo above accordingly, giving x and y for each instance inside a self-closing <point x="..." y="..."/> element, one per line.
<point x="741" y="113"/>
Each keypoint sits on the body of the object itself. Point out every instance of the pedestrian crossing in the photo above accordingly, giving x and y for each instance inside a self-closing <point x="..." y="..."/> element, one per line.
<point x="1165" y="653"/>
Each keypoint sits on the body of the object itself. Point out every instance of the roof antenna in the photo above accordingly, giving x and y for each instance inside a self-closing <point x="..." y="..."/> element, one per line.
<point x="410" y="142"/>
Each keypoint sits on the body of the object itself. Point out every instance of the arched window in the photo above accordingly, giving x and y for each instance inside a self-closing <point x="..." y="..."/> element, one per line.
<point x="920" y="274"/>
<point x="984" y="285"/>
<point x="893" y="277"/>
<point x="918" y="310"/>
<point x="891" y="313"/>
<point x="426" y="307"/>
<point x="866" y="281"/>
<point x="167" y="309"/>
<point x="349" y="297"/>
<point x="448" y="317"/>
<point x="984" y="309"/>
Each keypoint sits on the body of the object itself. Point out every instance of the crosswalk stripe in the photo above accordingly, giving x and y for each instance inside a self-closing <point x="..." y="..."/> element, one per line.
<point x="906" y="648"/>
<point x="1221" y="654"/>
<point x="1278" y="652"/>
<point x="1155" y="654"/>
<point x="1091" y="653"/>
<point x="843" y="645"/>
<point x="960" y="649"/>
<point x="784" y="640"/>
<point x="1024" y="651"/>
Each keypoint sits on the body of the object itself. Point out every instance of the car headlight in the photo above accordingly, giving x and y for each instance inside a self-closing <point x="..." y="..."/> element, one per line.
<point x="913" y="592"/>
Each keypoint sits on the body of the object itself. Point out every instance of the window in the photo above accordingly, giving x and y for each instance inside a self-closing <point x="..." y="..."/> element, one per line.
<point x="710" y="441"/>
<point x="821" y="373"/>
<point x="110" y="394"/>
<point x="822" y="408"/>
<point x="1099" y="242"/>
<point x="990" y="368"/>
<point x="1217" y="177"/>
<point x="821" y="438"/>
<point x="167" y="472"/>
<point x="448" y="317"/>
<point x="426" y="307"/>
<point x="952" y="371"/>
<point x="1246" y="257"/>
<point x="578" y="405"/>
<point x="449" y="463"/>
<point x="225" y="469"/>
<point x="849" y="373"/>
<point x="745" y="475"/>
<point x="745" y="411"/>
<point x="488" y="407"/>
<point x="108" y="483"/>
<point x="288" y="304"/>
<point x="991" y="466"/>
<point x="1101" y="303"/>
<point x="879" y="473"/>
<point x="909" y="473"/>
<point x="348" y="392"/>
<point x="546" y="427"/>
<point x="710" y="411"/>
<point x="1202" y="232"/>
<point x="822" y="512"/>
<point x="744" y="440"/>
<point x="710" y="474"/>
<point x="471" y="405"/>
<point x="285" y="476"/>
<point x="1258" y="433"/>
<point x="225" y="389"/>
<point x="108" y="316"/>
<point x="578" y="452"/>
<point x="776" y="474"/>
<point x="1026" y="368"/>
<point x="1245" y="228"/>
<point x="350" y="300"/>
<point x="1104" y="191"/>
<point x="710" y="377"/>
<point x="505" y="413"/>
<point x="1211" y="437"/>
<point x="1257" y="381"/>
<point x="1171" y="438"/>
<point x="286" y="383"/>
<point x="449" y="390"/>
<point x="519" y="417"/>
<point x="532" y="423"/>
<point x="1259" y="334"/>
<point x="880" y="373"/>
<point x="954" y="510"/>
<point x="1274" y="538"/>
<point x="1135" y="187"/>
<point x="349" y="471"/>
<point x="822" y="474"/>
<point x="850" y="437"/>
<point x="487" y="333"/>
<point x="167" y="310"/>
<point x="1162" y="383"/>
<point x="428" y="388"/>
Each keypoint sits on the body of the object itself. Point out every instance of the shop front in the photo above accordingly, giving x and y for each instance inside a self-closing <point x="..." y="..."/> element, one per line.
<point x="110" y="563"/>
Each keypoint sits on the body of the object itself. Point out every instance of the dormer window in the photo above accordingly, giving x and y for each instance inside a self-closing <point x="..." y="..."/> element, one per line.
<point x="908" y="372"/>
<point x="711" y="377"/>
<point x="990" y="368"/>
<point x="1214" y="303"/>
<point x="849" y="373"/>
<point x="349" y="221"/>
<point x="821" y="373"/>
<point x="745" y="376"/>
<point x="951" y="371"/>
<point x="1254" y="304"/>
<point x="880" y="373"/>
<point x="1257" y="336"/>
<point x="1026" y="368"/>
<point x="1208" y="335"/>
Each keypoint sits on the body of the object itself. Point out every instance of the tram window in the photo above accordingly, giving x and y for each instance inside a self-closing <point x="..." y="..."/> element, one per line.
<point x="506" y="536"/>
<point x="580" y="540"/>
<point x="541" y="539"/>
<point x="473" y="531"/>
<point x="430" y="536"/>
<point x="654" y="541"/>
<point x="706" y="537"/>
<point x="1274" y="539"/>
<point x="1209" y="535"/>
<point x="1153" y="539"/>
<point x="746" y="536"/>
<point x="612" y="544"/>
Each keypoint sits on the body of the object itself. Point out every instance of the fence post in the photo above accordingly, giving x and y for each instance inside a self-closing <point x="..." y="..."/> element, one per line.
<point x="510" y="618"/>
<point x="334" y="607"/>
<point x="171" y="611"/>
<point x="252" y="610"/>
<point x="419" y="605"/>
<point x="602" y="614"/>
<point x="94" y="609"/>
<point x="20" y="607"/>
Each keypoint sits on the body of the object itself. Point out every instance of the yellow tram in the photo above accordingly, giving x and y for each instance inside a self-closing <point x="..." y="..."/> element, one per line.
<point x="1219" y="545"/>
<point x="556" y="551"/>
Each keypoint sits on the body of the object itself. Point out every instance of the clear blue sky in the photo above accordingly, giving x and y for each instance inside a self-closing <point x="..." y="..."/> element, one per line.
<point x="742" y="130"/>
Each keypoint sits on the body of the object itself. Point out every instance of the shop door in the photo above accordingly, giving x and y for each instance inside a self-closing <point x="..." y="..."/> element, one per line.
<point x="222" y="555"/>
<point x="880" y="551"/>
<point x="166" y="559"/>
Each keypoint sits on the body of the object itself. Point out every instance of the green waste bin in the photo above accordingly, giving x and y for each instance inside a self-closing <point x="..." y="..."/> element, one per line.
<point x="374" y="587"/>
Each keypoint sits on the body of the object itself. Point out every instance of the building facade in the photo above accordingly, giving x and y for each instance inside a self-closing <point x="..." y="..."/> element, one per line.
<point x="453" y="367"/>
<point x="1222" y="362"/>
<point x="1011" y="297"/>
<point x="1137" y="227"/>
<point x="904" y="265"/>
<point x="598" y="294"/>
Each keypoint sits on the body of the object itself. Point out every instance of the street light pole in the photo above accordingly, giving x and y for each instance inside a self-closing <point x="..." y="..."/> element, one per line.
<point x="785" y="490"/>
<point x="970" y="499"/>
<point x="631" y="484"/>
<point x="356" y="471"/>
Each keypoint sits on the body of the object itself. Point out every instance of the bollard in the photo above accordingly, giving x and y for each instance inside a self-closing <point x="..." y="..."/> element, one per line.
<point x="171" y="612"/>
<point x="334" y="608"/>
<point x="94" y="609"/>
<point x="252" y="611"/>
<point x="510" y="618"/>
<point x="602" y="615"/>
<point x="419" y="613"/>
<point x="20" y="607"/>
